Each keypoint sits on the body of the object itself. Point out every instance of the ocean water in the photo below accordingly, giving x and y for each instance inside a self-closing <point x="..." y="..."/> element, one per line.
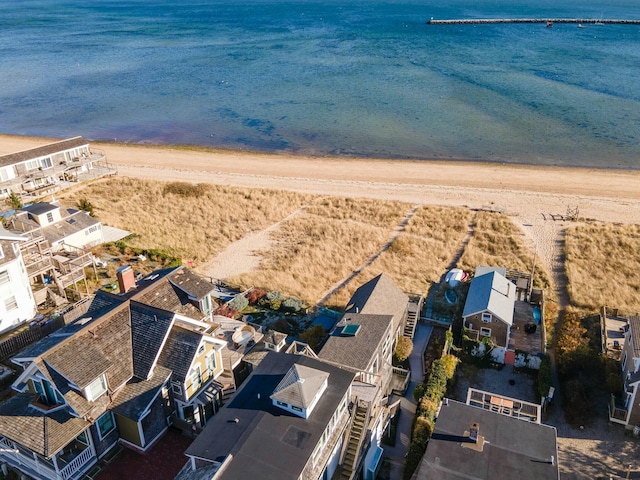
<point x="327" y="77"/>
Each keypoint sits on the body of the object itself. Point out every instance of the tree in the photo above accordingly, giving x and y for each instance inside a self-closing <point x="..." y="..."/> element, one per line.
<point x="86" y="205"/>
<point x="314" y="336"/>
<point x="404" y="346"/>
<point x="14" y="200"/>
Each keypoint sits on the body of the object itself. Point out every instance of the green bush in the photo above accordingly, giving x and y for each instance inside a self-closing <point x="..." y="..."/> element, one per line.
<point x="449" y="362"/>
<point x="544" y="376"/>
<point x="422" y="430"/>
<point x="418" y="391"/>
<point x="239" y="303"/>
<point x="436" y="385"/>
<point x="85" y="205"/>
<point x="291" y="305"/>
<point x="314" y="336"/>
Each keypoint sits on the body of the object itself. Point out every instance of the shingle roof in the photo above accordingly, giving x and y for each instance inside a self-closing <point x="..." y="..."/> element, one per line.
<point x="191" y="283"/>
<point x="379" y="296"/>
<point x="356" y="351"/>
<point x="266" y="442"/>
<point x="134" y="399"/>
<point x="149" y="329"/>
<point x="45" y="434"/>
<point x="179" y="350"/>
<point x="491" y="292"/>
<point x="513" y="448"/>
<point x="273" y="336"/>
<point x="634" y="333"/>
<point x="40" y="208"/>
<point x="300" y="386"/>
<point x="51" y="148"/>
<point x="163" y="294"/>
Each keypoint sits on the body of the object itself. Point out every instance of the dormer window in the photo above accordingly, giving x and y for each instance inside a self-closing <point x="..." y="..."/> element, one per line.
<point x="48" y="396"/>
<point x="96" y="388"/>
<point x="300" y="390"/>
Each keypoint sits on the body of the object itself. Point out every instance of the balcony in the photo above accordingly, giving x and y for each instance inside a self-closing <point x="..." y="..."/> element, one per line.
<point x="618" y="412"/>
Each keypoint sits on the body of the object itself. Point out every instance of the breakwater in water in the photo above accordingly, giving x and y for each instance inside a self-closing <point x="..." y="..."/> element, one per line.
<point x="581" y="21"/>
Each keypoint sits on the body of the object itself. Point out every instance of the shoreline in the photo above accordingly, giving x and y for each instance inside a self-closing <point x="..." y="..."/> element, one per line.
<point x="171" y="162"/>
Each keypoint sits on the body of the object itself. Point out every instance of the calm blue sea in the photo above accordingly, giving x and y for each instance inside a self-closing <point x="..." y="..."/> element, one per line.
<point x="328" y="77"/>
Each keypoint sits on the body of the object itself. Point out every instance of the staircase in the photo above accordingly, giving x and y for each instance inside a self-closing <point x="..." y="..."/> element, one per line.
<point x="355" y="441"/>
<point x="227" y="384"/>
<point x="413" y="314"/>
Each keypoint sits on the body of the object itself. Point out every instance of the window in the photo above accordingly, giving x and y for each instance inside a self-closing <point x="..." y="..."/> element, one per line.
<point x="297" y="409"/>
<point x="46" y="162"/>
<point x="211" y="362"/>
<point x="196" y="377"/>
<point x="48" y="395"/>
<point x="201" y="349"/>
<point x="624" y="360"/>
<point x="485" y="332"/>
<point x="282" y="404"/>
<point x="106" y="424"/>
<point x="10" y="303"/>
<point x="1" y="252"/>
<point x="96" y="388"/>
<point x="31" y="164"/>
<point x="486" y="317"/>
<point x="176" y="388"/>
<point x="50" y="217"/>
<point x="4" y="277"/>
<point x="92" y="229"/>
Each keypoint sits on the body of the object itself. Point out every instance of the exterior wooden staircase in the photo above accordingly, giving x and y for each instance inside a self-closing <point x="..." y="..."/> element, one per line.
<point x="354" y="445"/>
<point x="413" y="315"/>
<point x="227" y="384"/>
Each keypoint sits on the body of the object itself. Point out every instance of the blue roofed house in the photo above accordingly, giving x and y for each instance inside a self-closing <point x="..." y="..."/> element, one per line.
<point x="489" y="308"/>
<point x="120" y="373"/>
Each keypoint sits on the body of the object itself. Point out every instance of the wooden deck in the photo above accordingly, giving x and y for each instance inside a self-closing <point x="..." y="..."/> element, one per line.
<point x="521" y="340"/>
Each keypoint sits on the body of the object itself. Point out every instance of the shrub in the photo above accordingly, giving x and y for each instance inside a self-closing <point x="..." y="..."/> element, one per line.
<point x="14" y="200"/>
<point x="85" y="205"/>
<point x="314" y="336"/>
<point x="185" y="189"/>
<point x="428" y="407"/>
<point x="422" y="430"/>
<point x="281" y="325"/>
<point x="404" y="346"/>
<point x="255" y="295"/>
<point x="449" y="362"/>
<point x="418" y="391"/>
<point x="239" y="303"/>
<point x="291" y="305"/>
<point x="436" y="385"/>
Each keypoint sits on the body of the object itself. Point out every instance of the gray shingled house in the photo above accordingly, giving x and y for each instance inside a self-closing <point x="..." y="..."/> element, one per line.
<point x="625" y="409"/>
<point x="112" y="376"/>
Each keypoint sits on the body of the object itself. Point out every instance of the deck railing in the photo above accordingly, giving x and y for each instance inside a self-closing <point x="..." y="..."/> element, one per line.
<point x="616" y="413"/>
<point x="77" y="463"/>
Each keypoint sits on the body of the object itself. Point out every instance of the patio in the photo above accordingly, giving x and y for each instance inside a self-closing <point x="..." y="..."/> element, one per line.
<point x="520" y="339"/>
<point x="162" y="462"/>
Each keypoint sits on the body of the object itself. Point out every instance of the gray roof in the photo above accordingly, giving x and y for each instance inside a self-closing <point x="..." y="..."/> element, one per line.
<point x="76" y="221"/>
<point x="356" y="351"/>
<point x="149" y="329"/>
<point x="300" y="386"/>
<point x="493" y="293"/>
<point x="191" y="283"/>
<point x="44" y="433"/>
<point x="275" y="337"/>
<point x="40" y="208"/>
<point x="267" y="442"/>
<point x="165" y="295"/>
<point x="179" y="350"/>
<point x="133" y="400"/>
<point x="513" y="448"/>
<point x="50" y="149"/>
<point x="379" y="296"/>
<point x="634" y="333"/>
<point x="482" y="269"/>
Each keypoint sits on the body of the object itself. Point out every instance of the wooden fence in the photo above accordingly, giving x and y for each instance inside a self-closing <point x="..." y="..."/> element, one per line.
<point x="12" y="345"/>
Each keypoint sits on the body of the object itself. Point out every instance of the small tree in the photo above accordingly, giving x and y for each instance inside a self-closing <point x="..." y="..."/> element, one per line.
<point x="86" y="205"/>
<point x="239" y="303"/>
<point x="314" y="336"/>
<point x="14" y="200"/>
<point x="404" y="346"/>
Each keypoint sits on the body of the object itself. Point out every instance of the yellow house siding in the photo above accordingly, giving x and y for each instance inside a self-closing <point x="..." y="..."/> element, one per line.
<point x="128" y="430"/>
<point x="205" y="375"/>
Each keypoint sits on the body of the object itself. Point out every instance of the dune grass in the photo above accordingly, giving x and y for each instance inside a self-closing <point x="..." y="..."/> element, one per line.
<point x="311" y="253"/>
<point x="419" y="255"/>
<point x="603" y="266"/>
<point x="497" y="241"/>
<point x="380" y="213"/>
<point x="194" y="222"/>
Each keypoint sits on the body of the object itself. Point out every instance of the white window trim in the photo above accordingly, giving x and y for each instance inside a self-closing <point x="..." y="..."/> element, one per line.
<point x="485" y="332"/>
<point x="487" y="317"/>
<point x="11" y="303"/>
<point x="4" y="277"/>
<point x="178" y="386"/>
<point x="90" y="396"/>
<point x="113" y="420"/>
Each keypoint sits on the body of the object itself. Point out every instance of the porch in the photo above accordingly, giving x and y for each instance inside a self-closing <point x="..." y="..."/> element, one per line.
<point x="618" y="412"/>
<point x="68" y="464"/>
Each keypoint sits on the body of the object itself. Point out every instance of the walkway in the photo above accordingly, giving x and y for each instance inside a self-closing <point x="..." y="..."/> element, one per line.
<point x="397" y="453"/>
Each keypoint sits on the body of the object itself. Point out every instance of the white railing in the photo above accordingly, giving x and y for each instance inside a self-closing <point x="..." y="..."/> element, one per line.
<point x="12" y="455"/>
<point x="77" y="463"/>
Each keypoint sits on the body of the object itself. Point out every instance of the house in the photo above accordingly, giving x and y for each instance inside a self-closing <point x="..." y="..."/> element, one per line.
<point x="364" y="341"/>
<point x="473" y="442"/>
<point x="65" y="230"/>
<point x="489" y="307"/>
<point x="17" y="304"/>
<point x="289" y="420"/>
<point x="625" y="408"/>
<point x="121" y="373"/>
<point x="42" y="170"/>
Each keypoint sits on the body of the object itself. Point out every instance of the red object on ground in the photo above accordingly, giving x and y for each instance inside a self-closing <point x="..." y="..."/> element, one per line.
<point x="509" y="357"/>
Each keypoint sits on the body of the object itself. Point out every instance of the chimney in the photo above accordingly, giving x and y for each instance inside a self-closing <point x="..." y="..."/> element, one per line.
<point x="126" y="278"/>
<point x="473" y="432"/>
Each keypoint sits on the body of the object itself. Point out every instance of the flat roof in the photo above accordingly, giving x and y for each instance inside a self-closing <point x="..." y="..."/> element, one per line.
<point x="507" y="448"/>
